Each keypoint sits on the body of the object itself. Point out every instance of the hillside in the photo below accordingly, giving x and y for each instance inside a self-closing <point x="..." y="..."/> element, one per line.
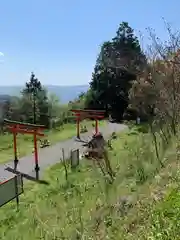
<point x="141" y="203"/>
<point x="64" y="93"/>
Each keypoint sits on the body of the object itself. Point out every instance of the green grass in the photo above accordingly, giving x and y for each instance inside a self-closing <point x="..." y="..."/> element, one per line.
<point x="25" y="143"/>
<point x="87" y="207"/>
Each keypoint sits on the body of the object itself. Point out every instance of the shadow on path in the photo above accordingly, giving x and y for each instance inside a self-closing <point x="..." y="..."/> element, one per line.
<point x="28" y="177"/>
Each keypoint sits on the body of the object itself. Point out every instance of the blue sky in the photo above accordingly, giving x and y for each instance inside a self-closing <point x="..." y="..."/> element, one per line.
<point x="59" y="40"/>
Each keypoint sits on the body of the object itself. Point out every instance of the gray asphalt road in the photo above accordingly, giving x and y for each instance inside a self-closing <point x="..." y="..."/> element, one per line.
<point x="52" y="155"/>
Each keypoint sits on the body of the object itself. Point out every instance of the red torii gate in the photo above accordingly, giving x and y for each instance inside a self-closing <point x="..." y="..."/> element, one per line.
<point x="81" y="114"/>
<point x="25" y="128"/>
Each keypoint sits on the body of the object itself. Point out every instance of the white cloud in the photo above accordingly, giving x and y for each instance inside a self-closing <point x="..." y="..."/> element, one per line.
<point x="1" y="54"/>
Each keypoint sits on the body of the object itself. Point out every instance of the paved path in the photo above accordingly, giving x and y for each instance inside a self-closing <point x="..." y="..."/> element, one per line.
<point x="52" y="155"/>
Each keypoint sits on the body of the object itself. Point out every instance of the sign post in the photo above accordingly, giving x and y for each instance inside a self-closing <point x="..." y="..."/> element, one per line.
<point x="25" y="128"/>
<point x="74" y="158"/>
<point x="11" y="189"/>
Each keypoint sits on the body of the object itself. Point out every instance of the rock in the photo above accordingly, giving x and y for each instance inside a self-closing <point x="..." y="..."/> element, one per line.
<point x="95" y="147"/>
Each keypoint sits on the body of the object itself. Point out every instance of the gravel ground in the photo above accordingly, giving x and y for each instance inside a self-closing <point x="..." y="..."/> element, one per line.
<point x="52" y="155"/>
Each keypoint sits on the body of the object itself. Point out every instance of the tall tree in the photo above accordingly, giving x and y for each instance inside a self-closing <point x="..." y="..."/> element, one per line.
<point x="117" y="65"/>
<point x="43" y="107"/>
<point x="33" y="87"/>
<point x="35" y="101"/>
<point x="54" y="105"/>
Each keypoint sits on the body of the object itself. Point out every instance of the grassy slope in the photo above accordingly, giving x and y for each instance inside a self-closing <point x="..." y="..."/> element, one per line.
<point x="94" y="209"/>
<point x="25" y="143"/>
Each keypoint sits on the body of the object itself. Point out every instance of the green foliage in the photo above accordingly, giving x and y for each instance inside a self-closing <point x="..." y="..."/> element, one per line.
<point x="88" y="207"/>
<point x="165" y="217"/>
<point x="35" y="105"/>
<point x="35" y="96"/>
<point x="117" y="65"/>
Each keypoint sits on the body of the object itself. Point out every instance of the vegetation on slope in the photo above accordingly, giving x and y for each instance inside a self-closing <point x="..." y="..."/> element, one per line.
<point x="142" y="202"/>
<point x="88" y="207"/>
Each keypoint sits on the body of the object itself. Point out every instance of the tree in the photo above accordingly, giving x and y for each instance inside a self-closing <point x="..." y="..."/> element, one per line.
<point x="31" y="90"/>
<point x="43" y="108"/>
<point x="117" y="65"/>
<point x="156" y="91"/>
<point x="15" y="109"/>
<point x="4" y="110"/>
<point x="35" y="101"/>
<point x="53" y="105"/>
<point x="54" y="109"/>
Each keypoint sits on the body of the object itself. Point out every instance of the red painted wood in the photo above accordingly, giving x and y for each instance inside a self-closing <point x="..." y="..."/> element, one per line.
<point x="88" y="110"/>
<point x="88" y="115"/>
<point x="28" y="125"/>
<point x="35" y="130"/>
<point x="95" y="117"/>
<point x="81" y="114"/>
<point x="25" y="131"/>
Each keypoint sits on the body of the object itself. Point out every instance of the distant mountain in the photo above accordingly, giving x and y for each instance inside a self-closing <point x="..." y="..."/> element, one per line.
<point x="64" y="93"/>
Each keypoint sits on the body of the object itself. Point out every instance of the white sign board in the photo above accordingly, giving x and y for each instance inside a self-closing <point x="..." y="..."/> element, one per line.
<point x="138" y="120"/>
<point x="10" y="189"/>
<point x="74" y="158"/>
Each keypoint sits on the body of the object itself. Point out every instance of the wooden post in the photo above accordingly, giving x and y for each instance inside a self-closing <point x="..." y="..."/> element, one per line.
<point x="78" y="127"/>
<point x="64" y="164"/>
<point x="15" y="150"/>
<point x="96" y="126"/>
<point x="17" y="194"/>
<point x="36" y="156"/>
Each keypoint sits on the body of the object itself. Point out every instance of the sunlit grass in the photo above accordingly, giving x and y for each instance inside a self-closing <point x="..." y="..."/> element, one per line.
<point x="87" y="207"/>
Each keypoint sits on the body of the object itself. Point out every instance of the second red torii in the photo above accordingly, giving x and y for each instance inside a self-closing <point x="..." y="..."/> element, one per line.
<point x="88" y="113"/>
